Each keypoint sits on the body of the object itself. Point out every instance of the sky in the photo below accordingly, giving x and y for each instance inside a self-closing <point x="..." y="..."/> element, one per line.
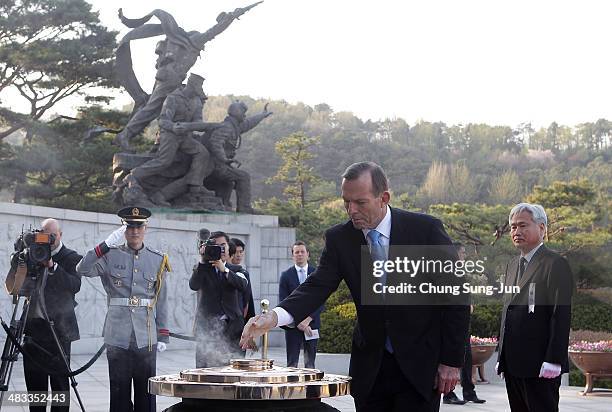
<point x="496" y="62"/>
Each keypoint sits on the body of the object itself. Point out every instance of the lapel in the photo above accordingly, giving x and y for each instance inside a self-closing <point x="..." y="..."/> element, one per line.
<point x="532" y="267"/>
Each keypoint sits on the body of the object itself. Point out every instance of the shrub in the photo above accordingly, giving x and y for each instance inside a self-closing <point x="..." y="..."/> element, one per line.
<point x="486" y="320"/>
<point x="337" y="325"/>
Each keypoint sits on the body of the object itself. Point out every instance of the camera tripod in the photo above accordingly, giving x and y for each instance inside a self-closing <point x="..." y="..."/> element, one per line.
<point x="32" y="291"/>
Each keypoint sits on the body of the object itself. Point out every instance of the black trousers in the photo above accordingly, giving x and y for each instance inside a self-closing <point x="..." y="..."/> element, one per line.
<point x="126" y="367"/>
<point x="392" y="392"/>
<point x="38" y="380"/>
<point x="532" y="394"/>
<point x="295" y="340"/>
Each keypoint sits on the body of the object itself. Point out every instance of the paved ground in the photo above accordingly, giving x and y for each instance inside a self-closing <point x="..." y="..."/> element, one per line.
<point x="93" y="385"/>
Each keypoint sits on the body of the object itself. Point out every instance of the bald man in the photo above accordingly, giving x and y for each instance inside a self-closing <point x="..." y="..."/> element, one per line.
<point x="62" y="284"/>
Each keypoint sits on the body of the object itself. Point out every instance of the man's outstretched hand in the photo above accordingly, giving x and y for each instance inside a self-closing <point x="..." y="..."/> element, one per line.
<point x="255" y="327"/>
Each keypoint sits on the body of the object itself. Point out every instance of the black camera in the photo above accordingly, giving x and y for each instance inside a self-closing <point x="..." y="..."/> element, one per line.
<point x="34" y="247"/>
<point x="212" y="251"/>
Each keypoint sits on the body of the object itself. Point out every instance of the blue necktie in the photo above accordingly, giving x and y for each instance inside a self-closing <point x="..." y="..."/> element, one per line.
<point x="377" y="251"/>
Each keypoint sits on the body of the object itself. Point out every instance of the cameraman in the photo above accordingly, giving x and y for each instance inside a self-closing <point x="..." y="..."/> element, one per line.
<point x="62" y="284"/>
<point x="219" y="317"/>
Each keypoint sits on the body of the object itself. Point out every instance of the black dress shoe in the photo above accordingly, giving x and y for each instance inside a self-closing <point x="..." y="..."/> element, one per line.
<point x="451" y="399"/>
<point x="473" y="398"/>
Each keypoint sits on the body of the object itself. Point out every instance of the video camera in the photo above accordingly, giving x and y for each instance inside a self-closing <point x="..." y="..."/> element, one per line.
<point x="212" y="251"/>
<point x="32" y="252"/>
<point x="34" y="248"/>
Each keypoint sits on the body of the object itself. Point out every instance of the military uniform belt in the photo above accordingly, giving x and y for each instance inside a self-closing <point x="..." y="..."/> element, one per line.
<point x="133" y="301"/>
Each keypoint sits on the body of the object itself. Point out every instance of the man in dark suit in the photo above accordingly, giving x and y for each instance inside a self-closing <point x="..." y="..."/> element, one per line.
<point x="237" y="250"/>
<point x="403" y="357"/>
<point x="535" y="321"/>
<point x="295" y="338"/>
<point x="62" y="284"/>
<point x="219" y="319"/>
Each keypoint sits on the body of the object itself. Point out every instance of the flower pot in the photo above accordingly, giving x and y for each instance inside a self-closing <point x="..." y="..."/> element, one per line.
<point x="481" y="354"/>
<point x="592" y="365"/>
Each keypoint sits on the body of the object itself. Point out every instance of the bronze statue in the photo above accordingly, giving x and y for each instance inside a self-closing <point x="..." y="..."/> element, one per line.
<point x="222" y="145"/>
<point x="177" y="53"/>
<point x="183" y="105"/>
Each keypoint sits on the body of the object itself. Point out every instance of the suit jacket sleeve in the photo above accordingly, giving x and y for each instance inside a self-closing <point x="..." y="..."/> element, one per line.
<point x="195" y="281"/>
<point x="237" y="280"/>
<point x="283" y="286"/>
<point x="311" y="294"/>
<point x="455" y="318"/>
<point x="65" y="276"/>
<point x="560" y="290"/>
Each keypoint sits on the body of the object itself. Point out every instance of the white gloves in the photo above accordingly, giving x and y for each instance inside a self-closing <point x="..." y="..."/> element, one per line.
<point x="116" y="238"/>
<point x="550" y="370"/>
<point x="161" y="346"/>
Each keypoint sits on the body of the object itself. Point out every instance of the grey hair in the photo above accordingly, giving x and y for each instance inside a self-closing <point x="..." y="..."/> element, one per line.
<point x="380" y="183"/>
<point x="537" y="212"/>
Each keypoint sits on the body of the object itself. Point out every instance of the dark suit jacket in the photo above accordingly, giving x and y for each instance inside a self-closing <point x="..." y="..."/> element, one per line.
<point x="218" y="295"/>
<point x="247" y="295"/>
<point x="61" y="287"/>
<point x="528" y="339"/>
<point x="422" y="336"/>
<point x="289" y="281"/>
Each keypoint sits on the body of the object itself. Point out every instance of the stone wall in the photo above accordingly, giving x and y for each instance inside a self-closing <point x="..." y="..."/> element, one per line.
<point x="267" y="254"/>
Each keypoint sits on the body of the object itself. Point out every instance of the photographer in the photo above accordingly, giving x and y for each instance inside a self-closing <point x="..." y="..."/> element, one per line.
<point x="61" y="286"/>
<point x="219" y="318"/>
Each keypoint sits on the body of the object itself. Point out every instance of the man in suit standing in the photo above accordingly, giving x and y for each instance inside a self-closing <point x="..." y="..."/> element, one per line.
<point x="62" y="284"/>
<point x="535" y="321"/>
<point x="219" y="317"/>
<point x="237" y="250"/>
<point x="295" y="338"/>
<point x="403" y="357"/>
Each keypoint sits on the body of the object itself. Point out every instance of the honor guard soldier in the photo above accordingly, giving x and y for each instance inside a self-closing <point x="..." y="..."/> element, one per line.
<point x="135" y="327"/>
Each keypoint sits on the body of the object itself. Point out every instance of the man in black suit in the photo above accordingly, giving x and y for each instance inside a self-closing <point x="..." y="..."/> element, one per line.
<point x="535" y="321"/>
<point x="403" y="357"/>
<point x="63" y="283"/>
<point x="219" y="319"/>
<point x="237" y="251"/>
<point x="295" y="338"/>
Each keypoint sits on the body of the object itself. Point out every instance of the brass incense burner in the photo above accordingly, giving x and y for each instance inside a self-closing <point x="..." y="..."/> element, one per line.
<point x="250" y="380"/>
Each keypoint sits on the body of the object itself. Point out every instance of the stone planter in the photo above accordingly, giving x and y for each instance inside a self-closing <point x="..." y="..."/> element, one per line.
<point x="481" y="354"/>
<point x="592" y="365"/>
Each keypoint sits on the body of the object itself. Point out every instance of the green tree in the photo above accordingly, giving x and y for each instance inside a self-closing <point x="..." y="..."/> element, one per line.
<point x="56" y="169"/>
<point x="51" y="50"/>
<point x="295" y="171"/>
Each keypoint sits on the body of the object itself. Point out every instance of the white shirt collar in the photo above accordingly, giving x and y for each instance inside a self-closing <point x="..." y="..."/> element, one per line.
<point x="384" y="227"/>
<point x="305" y="267"/>
<point x="532" y="252"/>
<point x="57" y="249"/>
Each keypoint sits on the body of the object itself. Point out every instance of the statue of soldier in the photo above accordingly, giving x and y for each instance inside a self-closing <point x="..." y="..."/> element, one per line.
<point x="181" y="107"/>
<point x="222" y="145"/>
<point x="135" y="327"/>
<point x="177" y="53"/>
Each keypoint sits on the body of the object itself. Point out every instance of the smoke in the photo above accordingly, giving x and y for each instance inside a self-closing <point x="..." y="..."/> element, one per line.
<point x="215" y="344"/>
